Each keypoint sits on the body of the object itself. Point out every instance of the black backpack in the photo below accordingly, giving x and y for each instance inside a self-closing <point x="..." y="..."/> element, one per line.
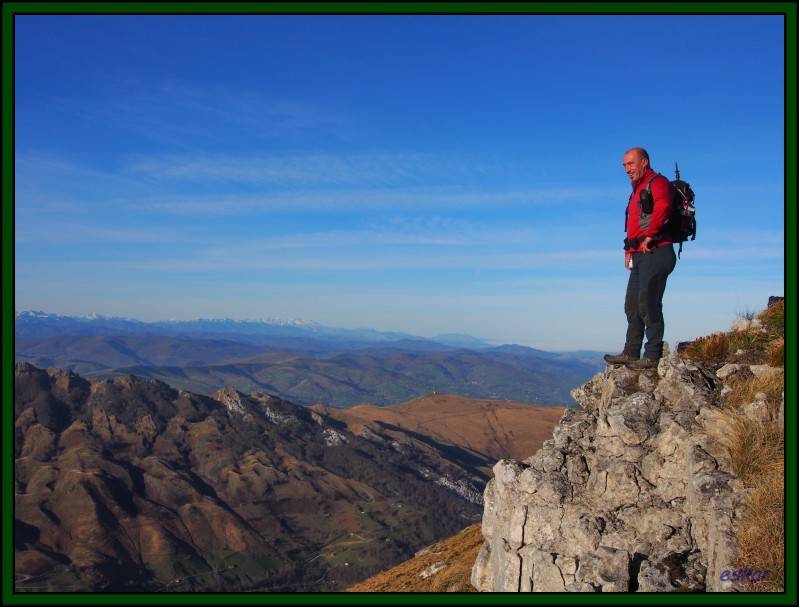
<point x="682" y="221"/>
<point x="681" y="224"/>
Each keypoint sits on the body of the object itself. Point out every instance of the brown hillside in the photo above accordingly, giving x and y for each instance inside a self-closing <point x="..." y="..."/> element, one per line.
<point x="491" y="428"/>
<point x="443" y="567"/>
<point x="131" y="485"/>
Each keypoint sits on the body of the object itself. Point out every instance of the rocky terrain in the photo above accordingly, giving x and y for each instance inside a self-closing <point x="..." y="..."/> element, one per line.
<point x="632" y="493"/>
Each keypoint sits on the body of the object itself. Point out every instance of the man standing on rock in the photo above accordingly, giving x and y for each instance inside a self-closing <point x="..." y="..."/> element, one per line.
<point x="649" y="257"/>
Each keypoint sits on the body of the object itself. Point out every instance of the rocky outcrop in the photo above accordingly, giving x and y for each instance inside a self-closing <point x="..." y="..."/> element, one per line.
<point x="630" y="494"/>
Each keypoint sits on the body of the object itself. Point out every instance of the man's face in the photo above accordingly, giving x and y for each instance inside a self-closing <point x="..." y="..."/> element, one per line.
<point x="635" y="165"/>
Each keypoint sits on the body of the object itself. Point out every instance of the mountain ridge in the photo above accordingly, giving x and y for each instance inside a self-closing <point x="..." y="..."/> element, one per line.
<point x="389" y="373"/>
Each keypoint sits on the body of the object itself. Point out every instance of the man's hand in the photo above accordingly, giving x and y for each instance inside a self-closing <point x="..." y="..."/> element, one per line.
<point x="628" y="260"/>
<point x="645" y="245"/>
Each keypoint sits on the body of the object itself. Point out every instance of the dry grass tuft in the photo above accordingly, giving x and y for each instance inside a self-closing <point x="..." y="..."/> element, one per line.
<point x="753" y="338"/>
<point x="757" y="455"/>
<point x="755" y="345"/>
<point x="745" y="387"/>
<point x="755" y="447"/>
<point x="713" y="348"/>
<point x="776" y="352"/>
<point x="761" y="533"/>
<point x="773" y="320"/>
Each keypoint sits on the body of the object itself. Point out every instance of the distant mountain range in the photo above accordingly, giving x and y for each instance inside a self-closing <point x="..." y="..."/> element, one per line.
<point x="131" y="485"/>
<point x="43" y="324"/>
<point x="299" y="360"/>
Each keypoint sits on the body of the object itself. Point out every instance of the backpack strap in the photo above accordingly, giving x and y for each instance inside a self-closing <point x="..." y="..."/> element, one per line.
<point x="630" y="199"/>
<point x="649" y="183"/>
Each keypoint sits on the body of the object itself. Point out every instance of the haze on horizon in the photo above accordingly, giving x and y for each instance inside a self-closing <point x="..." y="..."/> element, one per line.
<point x="421" y="174"/>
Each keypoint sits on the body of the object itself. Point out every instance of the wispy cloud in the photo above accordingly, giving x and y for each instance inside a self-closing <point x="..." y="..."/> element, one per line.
<point x="366" y="199"/>
<point x="365" y="261"/>
<point x="236" y="185"/>
<point x="387" y="259"/>
<point x="183" y="116"/>
<point x="73" y="233"/>
<point x="305" y="170"/>
<point x="367" y="170"/>
<point x="47" y="183"/>
<point x="736" y="253"/>
<point x="743" y="236"/>
<point x="379" y="237"/>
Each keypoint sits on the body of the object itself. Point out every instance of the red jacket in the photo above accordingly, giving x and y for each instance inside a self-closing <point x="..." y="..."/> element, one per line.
<point x="661" y="195"/>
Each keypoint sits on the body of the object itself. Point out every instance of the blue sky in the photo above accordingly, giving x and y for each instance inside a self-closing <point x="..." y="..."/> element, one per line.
<point x="427" y="174"/>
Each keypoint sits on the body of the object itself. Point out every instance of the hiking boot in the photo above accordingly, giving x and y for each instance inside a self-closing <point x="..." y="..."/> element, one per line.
<point x="643" y="363"/>
<point x="619" y="359"/>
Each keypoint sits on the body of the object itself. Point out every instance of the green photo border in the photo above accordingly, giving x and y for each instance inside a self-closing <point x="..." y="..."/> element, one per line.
<point x="10" y="9"/>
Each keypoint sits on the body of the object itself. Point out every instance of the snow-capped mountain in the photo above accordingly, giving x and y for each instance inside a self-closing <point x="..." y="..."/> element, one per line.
<point x="35" y="323"/>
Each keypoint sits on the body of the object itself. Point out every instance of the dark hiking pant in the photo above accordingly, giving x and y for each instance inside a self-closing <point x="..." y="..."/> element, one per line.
<point x="643" y="303"/>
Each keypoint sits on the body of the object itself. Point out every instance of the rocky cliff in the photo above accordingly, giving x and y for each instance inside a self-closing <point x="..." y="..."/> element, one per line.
<point x="632" y="493"/>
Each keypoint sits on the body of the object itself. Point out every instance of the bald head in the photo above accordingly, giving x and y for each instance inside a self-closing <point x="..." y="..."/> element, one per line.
<point x="641" y="152"/>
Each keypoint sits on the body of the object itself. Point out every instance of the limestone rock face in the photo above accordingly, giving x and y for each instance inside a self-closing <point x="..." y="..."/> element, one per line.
<point x="629" y="494"/>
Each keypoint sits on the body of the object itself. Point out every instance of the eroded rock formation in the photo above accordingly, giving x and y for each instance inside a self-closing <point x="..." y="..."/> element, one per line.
<point x="630" y="494"/>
